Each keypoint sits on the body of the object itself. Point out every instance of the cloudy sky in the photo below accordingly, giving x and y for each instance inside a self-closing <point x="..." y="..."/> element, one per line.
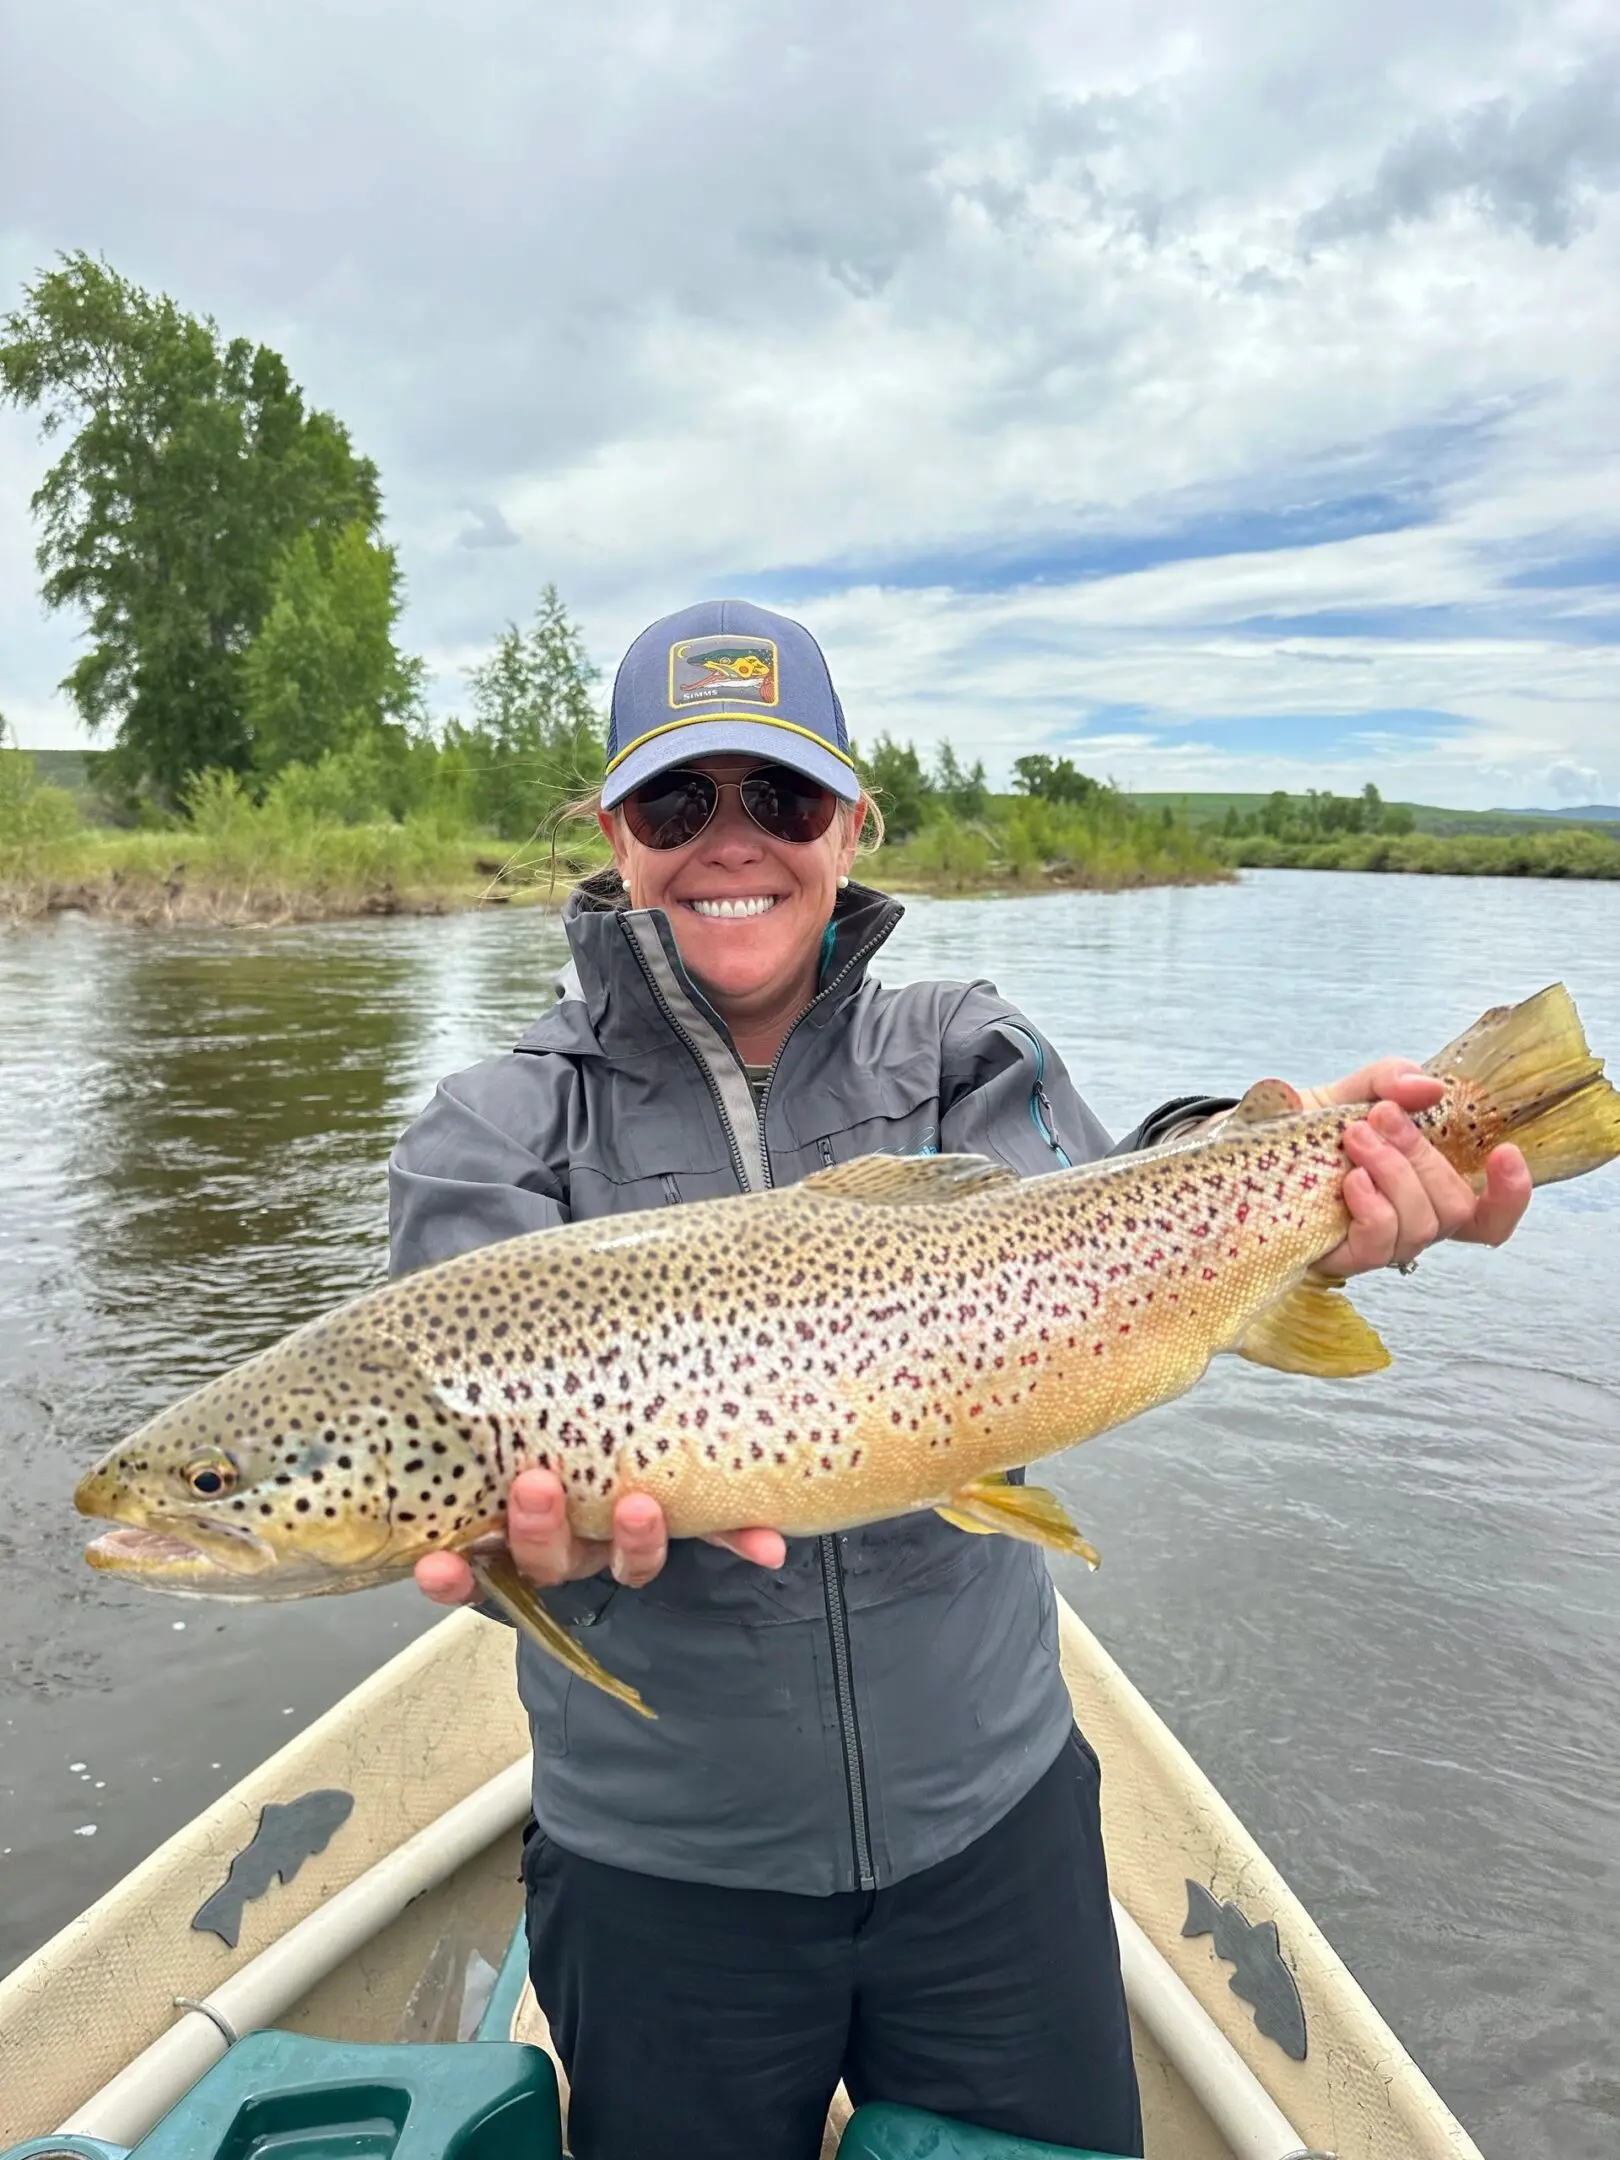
<point x="1224" y="396"/>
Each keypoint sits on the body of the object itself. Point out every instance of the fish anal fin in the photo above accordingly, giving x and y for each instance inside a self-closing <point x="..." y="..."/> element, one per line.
<point x="497" y="1576"/>
<point x="1314" y="1329"/>
<point x="1029" y="1512"/>
<point x="908" y="1180"/>
<point x="1266" y="1100"/>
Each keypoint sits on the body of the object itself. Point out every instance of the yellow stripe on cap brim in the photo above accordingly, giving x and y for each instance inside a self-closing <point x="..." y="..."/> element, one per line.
<point x="752" y="714"/>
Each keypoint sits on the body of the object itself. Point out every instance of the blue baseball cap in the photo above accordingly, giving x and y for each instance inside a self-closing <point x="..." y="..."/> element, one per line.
<point x="721" y="677"/>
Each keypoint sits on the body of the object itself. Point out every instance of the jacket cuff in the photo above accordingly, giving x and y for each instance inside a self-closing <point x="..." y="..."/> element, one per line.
<point x="1179" y="1114"/>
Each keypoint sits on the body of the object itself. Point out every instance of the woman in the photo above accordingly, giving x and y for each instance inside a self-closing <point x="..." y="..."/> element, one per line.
<point x="861" y="1839"/>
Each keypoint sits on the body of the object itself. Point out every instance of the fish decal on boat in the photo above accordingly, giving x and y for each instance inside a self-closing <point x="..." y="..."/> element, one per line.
<point x="1261" y="1978"/>
<point x="890" y="1334"/>
<point x="289" y="1833"/>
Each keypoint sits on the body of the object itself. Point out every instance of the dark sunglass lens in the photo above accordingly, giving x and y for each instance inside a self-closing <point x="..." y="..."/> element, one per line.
<point x="787" y="804"/>
<point x="670" y="810"/>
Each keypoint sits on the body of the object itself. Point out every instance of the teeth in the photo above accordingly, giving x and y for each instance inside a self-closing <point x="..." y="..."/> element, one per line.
<point x="732" y="909"/>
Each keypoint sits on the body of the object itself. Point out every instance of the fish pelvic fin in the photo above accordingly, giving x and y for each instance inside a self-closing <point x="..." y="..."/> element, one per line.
<point x="1314" y="1329"/>
<point x="497" y="1576"/>
<point x="908" y="1180"/>
<point x="1535" y="1082"/>
<point x="987" y="1505"/>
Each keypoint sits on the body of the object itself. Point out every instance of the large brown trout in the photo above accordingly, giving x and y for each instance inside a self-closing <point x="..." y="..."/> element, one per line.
<point x="891" y="1334"/>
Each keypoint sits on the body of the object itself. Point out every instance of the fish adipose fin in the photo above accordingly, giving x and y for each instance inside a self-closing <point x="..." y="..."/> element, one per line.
<point x="908" y="1180"/>
<point x="1314" y="1328"/>
<point x="498" y="1578"/>
<point x="1266" y="1100"/>
<point x="1029" y="1512"/>
<point x="1533" y="1068"/>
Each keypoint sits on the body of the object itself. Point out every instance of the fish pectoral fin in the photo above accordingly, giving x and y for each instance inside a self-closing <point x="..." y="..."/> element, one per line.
<point x="908" y="1180"/>
<point x="1315" y="1329"/>
<point x="497" y="1576"/>
<point x="1030" y="1512"/>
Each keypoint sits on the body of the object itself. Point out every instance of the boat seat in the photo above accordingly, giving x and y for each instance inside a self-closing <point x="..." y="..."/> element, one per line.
<point x="884" y="2131"/>
<point x="283" y="2096"/>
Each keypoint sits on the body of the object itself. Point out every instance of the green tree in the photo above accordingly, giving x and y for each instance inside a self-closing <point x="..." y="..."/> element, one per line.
<point x="323" y="672"/>
<point x="192" y="466"/>
<point x="1053" y="779"/>
<point x="903" y="791"/>
<point x="1277" y="815"/>
<point x="535" y="737"/>
<point x="964" y="793"/>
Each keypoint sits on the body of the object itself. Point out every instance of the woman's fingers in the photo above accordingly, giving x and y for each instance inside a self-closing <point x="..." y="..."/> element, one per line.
<point x="640" y="1540"/>
<point x="1397" y="1080"/>
<point x="1399" y="1193"/>
<point x="1506" y="1196"/>
<point x="446" y="1578"/>
<point x="1403" y="1195"/>
<point x="766" y="1548"/>
<point x="546" y="1550"/>
<point x="543" y="1546"/>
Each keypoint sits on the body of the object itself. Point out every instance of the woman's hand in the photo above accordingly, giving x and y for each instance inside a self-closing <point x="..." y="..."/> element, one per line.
<point x="547" y="1551"/>
<point x="1402" y="1193"/>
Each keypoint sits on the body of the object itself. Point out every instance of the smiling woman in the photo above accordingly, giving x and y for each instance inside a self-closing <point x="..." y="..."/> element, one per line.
<point x="862" y="1817"/>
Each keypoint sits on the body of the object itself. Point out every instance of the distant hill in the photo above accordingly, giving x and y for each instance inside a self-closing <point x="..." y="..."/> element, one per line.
<point x="63" y="768"/>
<point x="1426" y="817"/>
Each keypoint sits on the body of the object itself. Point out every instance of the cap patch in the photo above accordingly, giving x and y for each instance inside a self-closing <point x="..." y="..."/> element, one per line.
<point x="727" y="671"/>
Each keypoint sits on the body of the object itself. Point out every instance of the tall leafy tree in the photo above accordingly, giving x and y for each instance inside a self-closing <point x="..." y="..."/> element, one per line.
<point x="894" y="773"/>
<point x="536" y="736"/>
<point x="323" y="673"/>
<point x="192" y="465"/>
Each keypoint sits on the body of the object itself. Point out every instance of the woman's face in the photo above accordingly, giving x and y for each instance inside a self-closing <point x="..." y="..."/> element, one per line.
<point x="742" y="960"/>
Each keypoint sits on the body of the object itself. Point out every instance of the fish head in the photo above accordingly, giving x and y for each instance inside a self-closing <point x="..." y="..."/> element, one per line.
<point x="324" y="1464"/>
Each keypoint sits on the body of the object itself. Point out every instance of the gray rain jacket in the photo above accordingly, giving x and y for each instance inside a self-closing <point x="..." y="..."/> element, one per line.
<point x="881" y="1700"/>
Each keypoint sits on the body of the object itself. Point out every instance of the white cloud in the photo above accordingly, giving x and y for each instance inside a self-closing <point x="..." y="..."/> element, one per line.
<point x="653" y="301"/>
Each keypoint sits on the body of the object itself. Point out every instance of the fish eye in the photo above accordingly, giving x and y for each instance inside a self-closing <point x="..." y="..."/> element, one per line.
<point x="210" y="1475"/>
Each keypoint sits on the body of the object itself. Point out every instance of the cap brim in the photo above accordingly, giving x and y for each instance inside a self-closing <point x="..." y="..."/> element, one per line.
<point x="723" y="738"/>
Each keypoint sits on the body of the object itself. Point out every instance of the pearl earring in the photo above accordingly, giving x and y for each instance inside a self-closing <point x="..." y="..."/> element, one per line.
<point x="842" y="882"/>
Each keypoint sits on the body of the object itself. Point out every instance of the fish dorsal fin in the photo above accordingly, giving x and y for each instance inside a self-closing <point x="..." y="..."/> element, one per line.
<point x="908" y="1180"/>
<point x="1314" y="1328"/>
<point x="1266" y="1100"/>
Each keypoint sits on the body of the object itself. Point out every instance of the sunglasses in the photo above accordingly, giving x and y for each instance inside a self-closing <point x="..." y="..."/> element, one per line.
<point x="670" y="810"/>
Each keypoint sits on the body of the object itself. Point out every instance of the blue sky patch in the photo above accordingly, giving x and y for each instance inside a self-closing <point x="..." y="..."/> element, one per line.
<point x="1291" y="735"/>
<point x="1085" y="557"/>
<point x="1569" y="573"/>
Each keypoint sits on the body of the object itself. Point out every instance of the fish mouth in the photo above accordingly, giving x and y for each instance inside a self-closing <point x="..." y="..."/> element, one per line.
<point x="162" y="1556"/>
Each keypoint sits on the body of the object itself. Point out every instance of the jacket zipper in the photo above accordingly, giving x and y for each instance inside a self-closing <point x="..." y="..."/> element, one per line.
<point x="832" y="1565"/>
<point x="1040" y="1103"/>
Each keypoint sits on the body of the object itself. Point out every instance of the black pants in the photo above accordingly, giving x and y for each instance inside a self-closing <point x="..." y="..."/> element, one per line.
<point x="696" y="2020"/>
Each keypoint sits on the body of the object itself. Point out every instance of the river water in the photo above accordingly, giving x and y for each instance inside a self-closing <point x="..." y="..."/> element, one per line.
<point x="1386" y="1618"/>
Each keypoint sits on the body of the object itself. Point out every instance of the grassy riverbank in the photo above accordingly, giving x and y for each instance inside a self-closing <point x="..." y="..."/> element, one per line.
<point x="1558" y="851"/>
<point x="238" y="861"/>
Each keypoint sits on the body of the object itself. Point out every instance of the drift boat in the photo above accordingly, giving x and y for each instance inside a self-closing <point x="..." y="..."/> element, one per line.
<point x="329" y="1959"/>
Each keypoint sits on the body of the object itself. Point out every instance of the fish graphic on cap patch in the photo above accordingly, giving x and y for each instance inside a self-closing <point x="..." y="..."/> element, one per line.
<point x="727" y="668"/>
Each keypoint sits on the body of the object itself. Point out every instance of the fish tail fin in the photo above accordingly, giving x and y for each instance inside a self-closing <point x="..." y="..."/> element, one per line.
<point x="989" y="1504"/>
<point x="1525" y="1074"/>
<point x="497" y="1576"/>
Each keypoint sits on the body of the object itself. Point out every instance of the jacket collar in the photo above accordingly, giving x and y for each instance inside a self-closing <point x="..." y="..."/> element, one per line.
<point x="622" y="1013"/>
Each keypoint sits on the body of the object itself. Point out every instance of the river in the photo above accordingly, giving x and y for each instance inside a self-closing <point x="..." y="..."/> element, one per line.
<point x="1385" y="1618"/>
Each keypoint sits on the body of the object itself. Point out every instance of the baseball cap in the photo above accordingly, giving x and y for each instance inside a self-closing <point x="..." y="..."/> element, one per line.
<point x="719" y="677"/>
